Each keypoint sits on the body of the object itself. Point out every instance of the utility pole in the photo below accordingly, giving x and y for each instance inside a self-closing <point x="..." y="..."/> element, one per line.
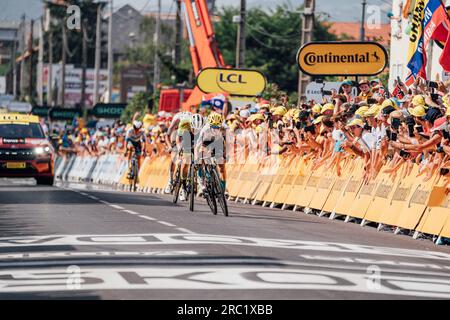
<point x="50" y="70"/>
<point x="156" y="64"/>
<point x="30" y="60"/>
<point x="40" y="63"/>
<point x="110" y="52"/>
<point x="98" y="52"/>
<point x="363" y="21"/>
<point x="307" y="31"/>
<point x="62" y="88"/>
<point x="22" y="61"/>
<point x="84" y="57"/>
<point x="13" y="59"/>
<point x="177" y="55"/>
<point x="240" y="47"/>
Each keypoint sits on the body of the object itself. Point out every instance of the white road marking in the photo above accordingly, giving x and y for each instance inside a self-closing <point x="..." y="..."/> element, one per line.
<point x="146" y="218"/>
<point x="84" y="254"/>
<point x="166" y="224"/>
<point x="185" y="230"/>
<point x="214" y="278"/>
<point x="131" y="212"/>
<point x="94" y="198"/>
<point x="165" y="238"/>
<point x="116" y="207"/>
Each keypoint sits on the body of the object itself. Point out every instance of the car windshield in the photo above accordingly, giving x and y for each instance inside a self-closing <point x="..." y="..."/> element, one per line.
<point x="14" y="131"/>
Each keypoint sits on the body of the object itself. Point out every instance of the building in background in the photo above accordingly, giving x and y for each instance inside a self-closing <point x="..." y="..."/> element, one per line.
<point x="351" y="31"/>
<point x="8" y="44"/>
<point x="127" y="25"/>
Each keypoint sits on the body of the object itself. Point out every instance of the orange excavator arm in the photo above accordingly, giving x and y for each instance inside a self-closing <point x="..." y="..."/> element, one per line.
<point x="203" y="46"/>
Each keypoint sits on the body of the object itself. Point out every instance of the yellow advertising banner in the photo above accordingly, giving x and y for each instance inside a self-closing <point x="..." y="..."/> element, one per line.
<point x="342" y="58"/>
<point x="235" y="82"/>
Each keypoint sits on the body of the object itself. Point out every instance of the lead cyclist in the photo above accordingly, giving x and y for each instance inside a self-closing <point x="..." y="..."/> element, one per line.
<point x="174" y="149"/>
<point x="211" y="144"/>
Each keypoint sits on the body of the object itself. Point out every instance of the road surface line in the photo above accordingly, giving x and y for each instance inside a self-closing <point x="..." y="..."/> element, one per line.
<point x="185" y="230"/>
<point x="131" y="212"/>
<point x="116" y="207"/>
<point x="147" y="218"/>
<point x="166" y="223"/>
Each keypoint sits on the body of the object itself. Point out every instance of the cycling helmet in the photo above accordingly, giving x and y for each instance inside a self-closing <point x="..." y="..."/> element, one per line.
<point x="215" y="119"/>
<point x="197" y="122"/>
<point x="185" y="115"/>
<point x="137" y="125"/>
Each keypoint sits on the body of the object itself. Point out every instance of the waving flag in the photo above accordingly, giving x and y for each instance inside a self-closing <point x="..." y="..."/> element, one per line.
<point x="214" y="100"/>
<point x="430" y="21"/>
<point x="416" y="56"/>
<point x="439" y="30"/>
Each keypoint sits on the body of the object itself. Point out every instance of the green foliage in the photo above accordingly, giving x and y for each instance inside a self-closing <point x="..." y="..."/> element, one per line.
<point x="272" y="41"/>
<point x="4" y="68"/>
<point x="137" y="104"/>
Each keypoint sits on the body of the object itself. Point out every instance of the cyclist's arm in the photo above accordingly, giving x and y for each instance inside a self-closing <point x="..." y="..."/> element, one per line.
<point x="172" y="128"/>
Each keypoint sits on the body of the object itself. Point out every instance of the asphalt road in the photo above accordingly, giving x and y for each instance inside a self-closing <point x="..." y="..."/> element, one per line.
<point x="83" y="242"/>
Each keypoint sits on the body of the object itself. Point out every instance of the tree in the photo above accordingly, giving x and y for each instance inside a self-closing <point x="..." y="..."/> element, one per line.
<point x="272" y="41"/>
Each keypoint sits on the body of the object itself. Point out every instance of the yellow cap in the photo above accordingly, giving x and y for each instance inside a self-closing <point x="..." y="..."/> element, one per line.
<point x="373" y="111"/>
<point x="418" y="111"/>
<point x="447" y="113"/>
<point x="326" y="107"/>
<point x="318" y="120"/>
<point x="149" y="120"/>
<point x="418" y="100"/>
<point x="389" y="103"/>
<point x="256" y="116"/>
<point x="279" y="111"/>
<point x="356" y="122"/>
<point x="362" y="111"/>
<point x="317" y="108"/>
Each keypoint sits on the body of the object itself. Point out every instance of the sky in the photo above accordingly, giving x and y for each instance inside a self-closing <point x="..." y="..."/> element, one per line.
<point x="338" y="10"/>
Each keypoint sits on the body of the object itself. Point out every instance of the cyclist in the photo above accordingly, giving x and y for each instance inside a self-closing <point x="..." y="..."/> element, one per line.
<point x="171" y="139"/>
<point x="135" y="140"/>
<point x="212" y="135"/>
<point x="188" y="131"/>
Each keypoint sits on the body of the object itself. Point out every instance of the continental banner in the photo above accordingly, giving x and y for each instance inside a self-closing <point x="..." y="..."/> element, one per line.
<point x="342" y="58"/>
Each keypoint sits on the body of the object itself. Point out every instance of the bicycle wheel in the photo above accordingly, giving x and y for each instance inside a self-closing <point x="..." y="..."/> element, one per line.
<point x="177" y="184"/>
<point x="135" y="177"/>
<point x="220" y="193"/>
<point x="131" y="177"/>
<point x="191" y="187"/>
<point x="209" y="192"/>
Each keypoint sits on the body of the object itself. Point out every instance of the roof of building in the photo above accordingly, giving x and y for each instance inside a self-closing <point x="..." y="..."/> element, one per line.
<point x="9" y="24"/>
<point x="351" y="31"/>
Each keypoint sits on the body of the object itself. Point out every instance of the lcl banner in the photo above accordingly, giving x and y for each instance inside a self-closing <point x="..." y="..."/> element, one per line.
<point x="342" y="58"/>
<point x="235" y="82"/>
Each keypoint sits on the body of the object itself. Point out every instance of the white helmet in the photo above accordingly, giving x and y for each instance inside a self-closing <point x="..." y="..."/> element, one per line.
<point x="183" y="115"/>
<point x="137" y="125"/>
<point x="197" y="122"/>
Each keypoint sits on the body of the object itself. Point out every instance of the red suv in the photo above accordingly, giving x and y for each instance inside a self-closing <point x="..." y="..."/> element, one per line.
<point x="24" y="149"/>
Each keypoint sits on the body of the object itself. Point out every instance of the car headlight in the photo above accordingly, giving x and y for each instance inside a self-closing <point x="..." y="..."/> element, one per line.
<point x="42" y="150"/>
